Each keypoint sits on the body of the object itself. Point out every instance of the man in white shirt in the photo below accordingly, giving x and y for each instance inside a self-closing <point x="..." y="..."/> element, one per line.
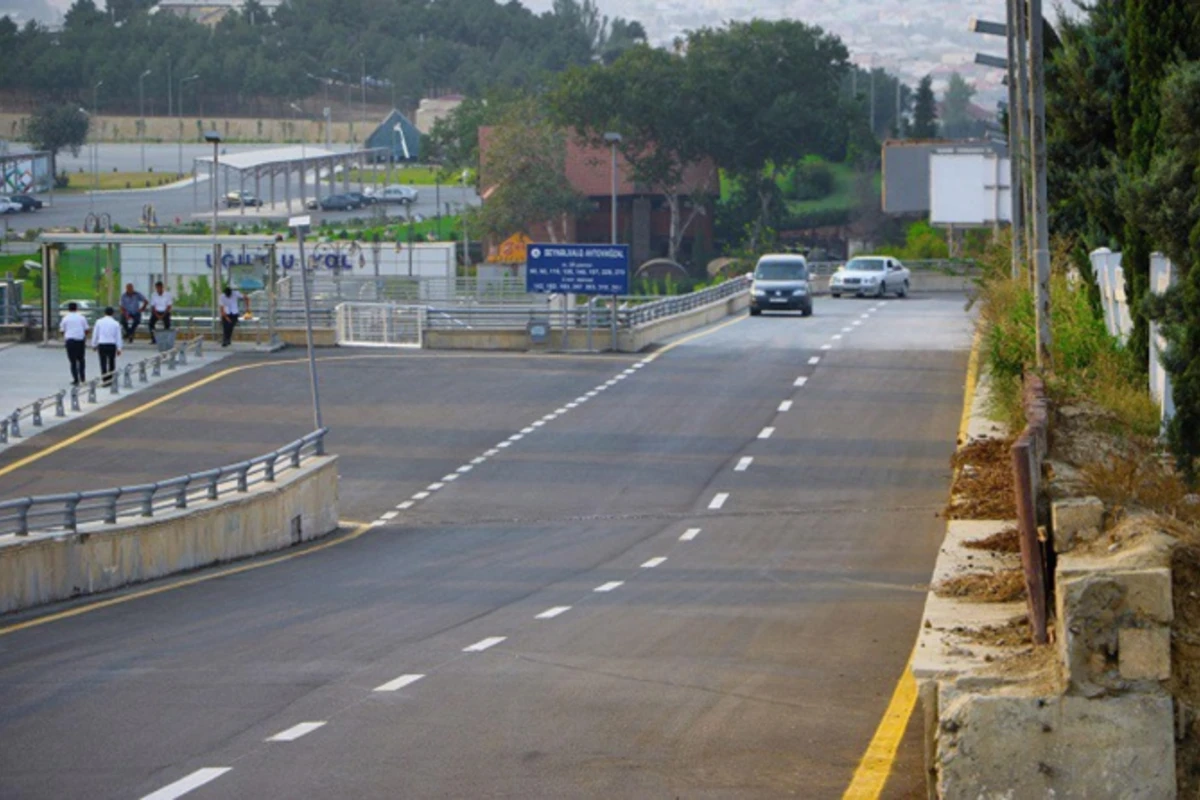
<point x="160" y="309"/>
<point x="229" y="313"/>
<point x="106" y="339"/>
<point x="74" y="327"/>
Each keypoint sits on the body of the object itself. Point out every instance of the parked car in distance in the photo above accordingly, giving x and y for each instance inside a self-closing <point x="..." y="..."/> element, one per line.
<point x="781" y="284"/>
<point x="362" y="199"/>
<point x="86" y="307"/>
<point x="337" y="202"/>
<point x="235" y="199"/>
<point x="396" y="194"/>
<point x="8" y="206"/>
<point x="871" y="275"/>
<point x="27" y="201"/>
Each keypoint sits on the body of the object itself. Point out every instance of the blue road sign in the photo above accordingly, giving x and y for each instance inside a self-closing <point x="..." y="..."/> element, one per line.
<point x="577" y="268"/>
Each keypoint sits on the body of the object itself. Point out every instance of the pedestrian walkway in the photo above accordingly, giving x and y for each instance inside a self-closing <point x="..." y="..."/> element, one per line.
<point x="29" y="372"/>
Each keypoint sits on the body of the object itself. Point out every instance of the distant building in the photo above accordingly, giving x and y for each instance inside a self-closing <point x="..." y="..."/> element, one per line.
<point x="431" y="109"/>
<point x="643" y="216"/>
<point x="398" y="135"/>
<point x="207" y="12"/>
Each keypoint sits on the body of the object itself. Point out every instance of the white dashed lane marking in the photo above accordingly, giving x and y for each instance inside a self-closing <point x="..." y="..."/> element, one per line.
<point x="608" y="587"/>
<point x="800" y="381"/>
<point x="398" y="683"/>
<point x="689" y="534"/>
<point x="826" y="347"/>
<point x="765" y="433"/>
<point x="407" y="504"/>
<point x="390" y="515"/>
<point x="815" y="360"/>
<point x="786" y="405"/>
<point x="551" y="613"/>
<point x="484" y="644"/>
<point x="836" y="336"/>
<point x="718" y="501"/>
<point x="420" y="495"/>
<point x="184" y="785"/>
<point x="654" y="562"/>
<point x="295" y="732"/>
<point x="744" y="463"/>
<point x="433" y="487"/>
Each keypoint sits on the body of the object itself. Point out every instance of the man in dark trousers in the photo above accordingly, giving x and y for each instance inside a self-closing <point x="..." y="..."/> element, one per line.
<point x="74" y="327"/>
<point x="160" y="309"/>
<point x="230" y="311"/>
<point x="106" y="338"/>
<point x="133" y="304"/>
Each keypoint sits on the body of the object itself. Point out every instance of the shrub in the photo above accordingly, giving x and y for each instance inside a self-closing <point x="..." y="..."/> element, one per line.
<point x="812" y="179"/>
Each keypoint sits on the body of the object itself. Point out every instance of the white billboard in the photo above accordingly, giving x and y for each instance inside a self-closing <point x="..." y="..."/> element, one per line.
<point x="969" y="189"/>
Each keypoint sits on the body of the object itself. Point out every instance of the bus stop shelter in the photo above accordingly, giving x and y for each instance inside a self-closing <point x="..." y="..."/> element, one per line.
<point x="147" y="258"/>
<point x="251" y="170"/>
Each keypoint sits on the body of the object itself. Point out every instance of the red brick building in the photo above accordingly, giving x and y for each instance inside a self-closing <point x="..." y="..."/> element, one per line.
<point x="643" y="216"/>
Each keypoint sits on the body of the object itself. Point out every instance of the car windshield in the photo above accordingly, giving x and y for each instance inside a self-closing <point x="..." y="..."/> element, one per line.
<point x="867" y="265"/>
<point x="781" y="271"/>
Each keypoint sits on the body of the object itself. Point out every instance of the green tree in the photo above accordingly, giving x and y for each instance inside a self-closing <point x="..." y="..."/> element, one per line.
<point x="58" y="127"/>
<point x="523" y="177"/>
<point x="925" y="111"/>
<point x="767" y="90"/>
<point x="643" y="96"/>
<point x="957" y="122"/>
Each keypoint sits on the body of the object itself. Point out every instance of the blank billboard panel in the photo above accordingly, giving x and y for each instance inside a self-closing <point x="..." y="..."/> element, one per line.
<point x="968" y="189"/>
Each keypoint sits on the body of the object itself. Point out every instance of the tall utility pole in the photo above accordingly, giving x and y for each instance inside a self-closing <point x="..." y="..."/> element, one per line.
<point x="182" y="83"/>
<point x="1015" y="170"/>
<point x="142" y="115"/>
<point x="1021" y="34"/>
<point x="899" y="115"/>
<point x="1041" y="229"/>
<point x="872" y="99"/>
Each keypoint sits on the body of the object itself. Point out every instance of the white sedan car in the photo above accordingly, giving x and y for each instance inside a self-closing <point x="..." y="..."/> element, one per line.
<point x="871" y="275"/>
<point x="8" y="206"/>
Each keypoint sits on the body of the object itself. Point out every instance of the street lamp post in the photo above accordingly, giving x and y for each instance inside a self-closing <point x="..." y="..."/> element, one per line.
<point x="613" y="138"/>
<point x="183" y="82"/>
<point x="215" y="138"/>
<point x="302" y="225"/>
<point x="95" y="144"/>
<point x="142" y="115"/>
<point x="296" y="111"/>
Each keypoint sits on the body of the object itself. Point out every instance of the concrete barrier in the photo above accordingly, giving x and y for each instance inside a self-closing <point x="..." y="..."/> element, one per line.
<point x="641" y="337"/>
<point x="300" y="506"/>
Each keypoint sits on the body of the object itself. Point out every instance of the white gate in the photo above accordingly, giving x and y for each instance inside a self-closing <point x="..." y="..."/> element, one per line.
<point x="380" y="325"/>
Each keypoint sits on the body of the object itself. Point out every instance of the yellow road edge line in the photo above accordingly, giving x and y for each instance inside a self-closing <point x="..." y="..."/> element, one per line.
<point x="692" y="337"/>
<point x="873" y="771"/>
<point x="212" y="576"/>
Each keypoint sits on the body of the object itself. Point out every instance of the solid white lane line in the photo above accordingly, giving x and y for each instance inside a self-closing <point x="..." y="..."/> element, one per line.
<point x="465" y="468"/>
<point x="689" y="534"/>
<point x="826" y="347"/>
<point x="407" y="504"/>
<point x="718" y="501"/>
<point x="476" y="461"/>
<point x="654" y="562"/>
<point x="608" y="587"/>
<point x="800" y="381"/>
<point x="420" y="495"/>
<point x="786" y="405"/>
<point x="744" y="463"/>
<point x="184" y="785"/>
<point x="390" y="515"/>
<point x="765" y="433"/>
<point x="551" y="613"/>
<point x="815" y="360"/>
<point x="484" y="644"/>
<point x="836" y="336"/>
<point x="295" y="732"/>
<point x="398" y="683"/>
<point x="433" y="487"/>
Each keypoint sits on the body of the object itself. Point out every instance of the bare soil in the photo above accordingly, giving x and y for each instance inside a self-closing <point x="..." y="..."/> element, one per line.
<point x="1003" y="586"/>
<point x="1014" y="633"/>
<point x="1006" y="541"/>
<point x="983" y="482"/>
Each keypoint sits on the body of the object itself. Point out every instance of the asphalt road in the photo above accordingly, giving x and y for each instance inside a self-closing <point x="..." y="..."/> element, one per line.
<point x="757" y="614"/>
<point x="185" y="203"/>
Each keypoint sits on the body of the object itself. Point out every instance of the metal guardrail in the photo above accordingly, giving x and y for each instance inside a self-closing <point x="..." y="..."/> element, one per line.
<point x="68" y="511"/>
<point x="149" y="367"/>
<point x="1028" y="452"/>
<point x="679" y="304"/>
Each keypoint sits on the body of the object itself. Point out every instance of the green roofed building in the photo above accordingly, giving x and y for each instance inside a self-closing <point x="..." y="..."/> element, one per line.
<point x="399" y="136"/>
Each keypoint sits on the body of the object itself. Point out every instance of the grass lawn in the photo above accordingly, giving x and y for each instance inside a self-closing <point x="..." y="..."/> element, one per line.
<point x="82" y="181"/>
<point x="841" y="199"/>
<point x="410" y="176"/>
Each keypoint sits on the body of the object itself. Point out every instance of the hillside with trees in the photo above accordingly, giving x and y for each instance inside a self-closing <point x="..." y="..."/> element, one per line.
<point x="255" y="62"/>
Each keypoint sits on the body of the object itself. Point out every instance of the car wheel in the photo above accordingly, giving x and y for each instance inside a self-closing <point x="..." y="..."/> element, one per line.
<point x="806" y="311"/>
<point x="754" y="312"/>
<point x="903" y="290"/>
<point x="882" y="289"/>
<point x="835" y="295"/>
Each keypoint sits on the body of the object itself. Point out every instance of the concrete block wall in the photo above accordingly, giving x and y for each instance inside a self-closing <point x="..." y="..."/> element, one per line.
<point x="301" y="505"/>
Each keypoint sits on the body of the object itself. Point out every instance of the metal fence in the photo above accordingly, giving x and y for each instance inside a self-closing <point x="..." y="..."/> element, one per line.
<point x="1027" y="453"/>
<point x="66" y="512"/>
<point x="34" y="413"/>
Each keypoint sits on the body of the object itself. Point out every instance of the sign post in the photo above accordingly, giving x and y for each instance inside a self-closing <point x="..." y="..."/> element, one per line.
<point x="589" y="269"/>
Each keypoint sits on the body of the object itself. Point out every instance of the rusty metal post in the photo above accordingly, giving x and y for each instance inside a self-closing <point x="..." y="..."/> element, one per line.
<point x="1031" y="551"/>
